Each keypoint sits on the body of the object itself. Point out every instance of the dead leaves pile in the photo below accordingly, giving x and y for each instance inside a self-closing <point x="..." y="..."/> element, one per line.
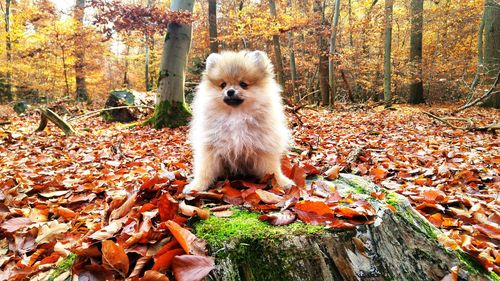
<point x="111" y="194"/>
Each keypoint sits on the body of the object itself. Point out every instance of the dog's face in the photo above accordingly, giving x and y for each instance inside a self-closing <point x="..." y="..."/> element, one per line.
<point x="238" y="77"/>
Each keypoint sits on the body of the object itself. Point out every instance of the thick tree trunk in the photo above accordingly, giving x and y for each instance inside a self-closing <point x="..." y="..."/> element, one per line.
<point x="277" y="49"/>
<point x="81" y="84"/>
<point x="416" y="86"/>
<point x="331" y="66"/>
<point x="491" y="47"/>
<point x="8" y="51"/>
<point x="126" y="80"/>
<point x="400" y="245"/>
<point x="212" y="26"/>
<point x="387" y="53"/>
<point x="171" y="109"/>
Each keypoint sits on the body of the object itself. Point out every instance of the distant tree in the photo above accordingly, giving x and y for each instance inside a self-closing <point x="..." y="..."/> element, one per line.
<point x="387" y="53"/>
<point x="416" y="86"/>
<point x="324" y="87"/>
<point x="331" y="66"/>
<point x="8" y="51"/>
<point x="81" y="85"/>
<point x="491" y="50"/>
<point x="293" y="66"/>
<point x="171" y="109"/>
<point x="277" y="48"/>
<point x="212" y="26"/>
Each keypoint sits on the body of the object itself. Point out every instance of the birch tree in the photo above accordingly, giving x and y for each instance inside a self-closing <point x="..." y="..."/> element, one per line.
<point x="416" y="86"/>
<point x="171" y="109"/>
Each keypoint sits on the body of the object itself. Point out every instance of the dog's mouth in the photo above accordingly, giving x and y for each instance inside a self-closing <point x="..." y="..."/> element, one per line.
<point x="233" y="101"/>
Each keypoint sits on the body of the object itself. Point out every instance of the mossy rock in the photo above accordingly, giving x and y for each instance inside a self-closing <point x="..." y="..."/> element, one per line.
<point x="120" y="98"/>
<point x="400" y="245"/>
<point x="20" y="107"/>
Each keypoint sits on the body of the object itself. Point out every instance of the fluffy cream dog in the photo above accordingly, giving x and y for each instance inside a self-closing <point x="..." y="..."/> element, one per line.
<point x="238" y="125"/>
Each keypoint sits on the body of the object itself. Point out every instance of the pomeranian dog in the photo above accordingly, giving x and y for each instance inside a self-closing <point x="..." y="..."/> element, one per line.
<point x="238" y="126"/>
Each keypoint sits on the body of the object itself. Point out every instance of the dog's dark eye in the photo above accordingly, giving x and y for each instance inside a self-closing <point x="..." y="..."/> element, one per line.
<point x="243" y="85"/>
<point x="223" y="85"/>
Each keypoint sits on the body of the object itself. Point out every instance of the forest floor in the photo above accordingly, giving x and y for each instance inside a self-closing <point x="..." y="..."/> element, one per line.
<point x="53" y="185"/>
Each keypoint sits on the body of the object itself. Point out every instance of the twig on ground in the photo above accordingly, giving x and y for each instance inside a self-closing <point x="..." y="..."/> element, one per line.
<point x="491" y="92"/>
<point x="472" y="127"/>
<point x="97" y="112"/>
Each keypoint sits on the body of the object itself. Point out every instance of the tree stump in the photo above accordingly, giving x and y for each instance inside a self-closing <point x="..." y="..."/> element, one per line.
<point x="400" y="245"/>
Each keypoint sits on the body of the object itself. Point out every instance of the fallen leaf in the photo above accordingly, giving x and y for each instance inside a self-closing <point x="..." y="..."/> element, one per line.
<point x="14" y="224"/>
<point x="188" y="241"/>
<point x="48" y="232"/>
<point x="281" y="218"/>
<point x="192" y="268"/>
<point x="114" y="257"/>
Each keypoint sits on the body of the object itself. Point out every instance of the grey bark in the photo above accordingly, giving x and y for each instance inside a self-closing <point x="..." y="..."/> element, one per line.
<point x="387" y="53"/>
<point x="416" y="34"/>
<point x="81" y="84"/>
<point x="331" y="66"/>
<point x="8" y="50"/>
<point x="212" y="26"/>
<point x="491" y="47"/>
<point x="126" y="80"/>
<point x="174" y="56"/>
<point x="399" y="246"/>
<point x="277" y="48"/>
<point x="171" y="109"/>
<point x="480" y="61"/>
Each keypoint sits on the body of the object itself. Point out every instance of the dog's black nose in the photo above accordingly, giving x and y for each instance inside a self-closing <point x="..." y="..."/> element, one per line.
<point x="230" y="93"/>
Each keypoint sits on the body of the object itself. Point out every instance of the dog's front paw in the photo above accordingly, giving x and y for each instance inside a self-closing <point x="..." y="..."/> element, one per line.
<point x="194" y="186"/>
<point x="285" y="182"/>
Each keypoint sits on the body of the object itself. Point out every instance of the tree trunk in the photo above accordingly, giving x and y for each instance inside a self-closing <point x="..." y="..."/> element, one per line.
<point x="126" y="80"/>
<point x="171" y="109"/>
<point x="349" y="12"/>
<point x="324" y="87"/>
<point x="65" y="71"/>
<point x="416" y="86"/>
<point x="331" y="66"/>
<point x="146" y="60"/>
<point x="491" y="47"/>
<point x="387" y="53"/>
<point x="212" y="26"/>
<point x="277" y="49"/>
<point x="81" y="85"/>
<point x="400" y="245"/>
<point x="8" y="51"/>
<point x="293" y="67"/>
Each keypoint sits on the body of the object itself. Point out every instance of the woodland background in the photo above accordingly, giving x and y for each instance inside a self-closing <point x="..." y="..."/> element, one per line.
<point x="45" y="49"/>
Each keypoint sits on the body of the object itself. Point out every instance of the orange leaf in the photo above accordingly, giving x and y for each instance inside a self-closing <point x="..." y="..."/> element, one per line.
<point x="378" y="173"/>
<point x="268" y="197"/>
<point x="114" y="257"/>
<point x="188" y="241"/>
<point x="167" y="247"/>
<point x="164" y="261"/>
<point x="64" y="213"/>
<point x="167" y="207"/>
<point x="333" y="172"/>
<point x="152" y="275"/>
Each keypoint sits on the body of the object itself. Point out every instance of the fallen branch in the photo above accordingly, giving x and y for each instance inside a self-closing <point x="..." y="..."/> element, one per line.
<point x="49" y="115"/>
<point x="5" y="123"/>
<point x="97" y="112"/>
<point x="483" y="97"/>
<point x="472" y="127"/>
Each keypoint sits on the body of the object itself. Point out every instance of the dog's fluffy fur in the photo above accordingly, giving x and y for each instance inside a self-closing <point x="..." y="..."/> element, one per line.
<point x="238" y="125"/>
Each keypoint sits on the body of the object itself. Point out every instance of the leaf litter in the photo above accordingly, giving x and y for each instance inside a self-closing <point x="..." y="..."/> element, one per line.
<point x="112" y="195"/>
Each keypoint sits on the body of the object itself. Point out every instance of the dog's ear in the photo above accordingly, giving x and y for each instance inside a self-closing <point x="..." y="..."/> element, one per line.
<point x="260" y="58"/>
<point x="212" y="60"/>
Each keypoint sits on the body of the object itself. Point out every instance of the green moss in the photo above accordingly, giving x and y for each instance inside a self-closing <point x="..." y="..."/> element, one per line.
<point x="63" y="266"/>
<point x="245" y="240"/>
<point x="244" y="225"/>
<point x="392" y="199"/>
<point x="170" y="115"/>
